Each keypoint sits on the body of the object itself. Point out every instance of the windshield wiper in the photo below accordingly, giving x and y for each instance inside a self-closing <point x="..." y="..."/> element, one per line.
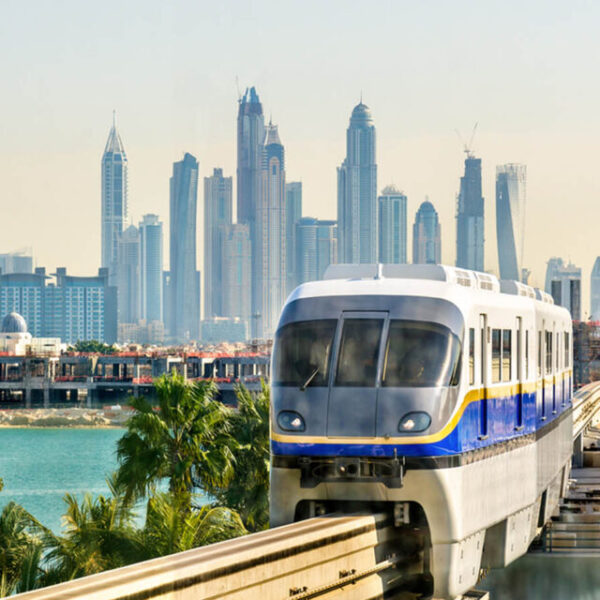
<point x="310" y="378"/>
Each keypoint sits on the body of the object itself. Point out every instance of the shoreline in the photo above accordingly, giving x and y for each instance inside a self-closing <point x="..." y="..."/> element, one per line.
<point x="63" y="418"/>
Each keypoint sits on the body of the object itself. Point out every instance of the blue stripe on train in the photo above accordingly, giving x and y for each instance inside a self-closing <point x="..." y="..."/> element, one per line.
<point x="503" y="425"/>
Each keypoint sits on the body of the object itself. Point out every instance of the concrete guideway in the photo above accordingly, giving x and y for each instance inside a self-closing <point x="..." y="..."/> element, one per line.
<point x="339" y="556"/>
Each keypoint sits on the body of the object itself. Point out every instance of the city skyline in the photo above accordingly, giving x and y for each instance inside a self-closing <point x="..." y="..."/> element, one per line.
<point x="61" y="106"/>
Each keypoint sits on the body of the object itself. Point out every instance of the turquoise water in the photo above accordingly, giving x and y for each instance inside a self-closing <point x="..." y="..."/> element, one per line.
<point x="39" y="466"/>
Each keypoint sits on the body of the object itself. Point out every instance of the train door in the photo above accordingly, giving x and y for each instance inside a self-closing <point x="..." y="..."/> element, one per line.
<point x="355" y="380"/>
<point x="520" y="376"/>
<point x="484" y="375"/>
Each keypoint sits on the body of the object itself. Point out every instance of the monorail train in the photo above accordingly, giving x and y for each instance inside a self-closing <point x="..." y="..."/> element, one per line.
<point x="441" y="394"/>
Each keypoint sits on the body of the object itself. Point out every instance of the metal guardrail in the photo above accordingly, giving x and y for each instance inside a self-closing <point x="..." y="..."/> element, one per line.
<point x="308" y="559"/>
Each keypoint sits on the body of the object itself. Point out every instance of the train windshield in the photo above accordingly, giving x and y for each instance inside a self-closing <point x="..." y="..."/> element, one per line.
<point x="420" y="354"/>
<point x="303" y="350"/>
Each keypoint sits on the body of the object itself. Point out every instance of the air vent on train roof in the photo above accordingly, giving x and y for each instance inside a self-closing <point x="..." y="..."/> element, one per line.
<point x="463" y="277"/>
<point x="516" y="288"/>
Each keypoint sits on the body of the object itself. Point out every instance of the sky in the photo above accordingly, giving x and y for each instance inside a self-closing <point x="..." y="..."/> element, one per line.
<point x="526" y="72"/>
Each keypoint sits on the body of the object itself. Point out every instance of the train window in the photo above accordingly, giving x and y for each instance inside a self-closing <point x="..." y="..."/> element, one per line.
<point x="302" y="351"/>
<point x="567" y="350"/>
<point x="496" y="352"/>
<point x="506" y="353"/>
<point x="539" y="354"/>
<point x="526" y="354"/>
<point x="421" y="354"/>
<point x="557" y="352"/>
<point x="359" y="352"/>
<point x="548" y="352"/>
<point x="471" y="356"/>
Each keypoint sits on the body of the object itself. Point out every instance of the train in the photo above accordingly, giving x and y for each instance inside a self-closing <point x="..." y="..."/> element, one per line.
<point x="438" y="394"/>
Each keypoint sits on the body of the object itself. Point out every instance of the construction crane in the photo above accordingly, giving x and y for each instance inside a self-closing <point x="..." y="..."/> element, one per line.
<point x="468" y="147"/>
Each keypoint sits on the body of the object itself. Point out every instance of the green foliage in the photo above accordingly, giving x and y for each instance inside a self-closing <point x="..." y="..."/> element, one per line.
<point x="92" y="347"/>
<point x="99" y="535"/>
<point x="247" y="491"/>
<point x="172" y="527"/>
<point x="19" y="542"/>
<point x="190" y="440"/>
<point x="184" y="441"/>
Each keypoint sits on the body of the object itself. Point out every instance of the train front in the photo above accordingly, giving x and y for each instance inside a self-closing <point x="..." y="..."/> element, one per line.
<point x="365" y="382"/>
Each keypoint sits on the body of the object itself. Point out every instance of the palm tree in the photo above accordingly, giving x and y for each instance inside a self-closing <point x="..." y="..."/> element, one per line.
<point x="18" y="542"/>
<point x="247" y="491"/>
<point x="171" y="528"/>
<point x="99" y="535"/>
<point x="185" y="441"/>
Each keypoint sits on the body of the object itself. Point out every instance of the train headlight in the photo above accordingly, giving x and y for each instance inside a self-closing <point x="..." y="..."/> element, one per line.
<point x="290" y="420"/>
<point x="413" y="422"/>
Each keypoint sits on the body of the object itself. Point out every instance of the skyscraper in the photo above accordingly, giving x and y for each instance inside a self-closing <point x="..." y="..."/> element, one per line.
<point x="392" y="226"/>
<point x="16" y="262"/>
<point x="270" y="279"/>
<point x="151" y="267"/>
<point x="510" y="219"/>
<point x="427" y="236"/>
<point x="595" y="292"/>
<point x="293" y="213"/>
<point x="237" y="272"/>
<point x="357" y="191"/>
<point x="563" y="282"/>
<point x="217" y="217"/>
<point x="316" y="248"/>
<point x="114" y="200"/>
<point x="128" y="277"/>
<point x="184" y="279"/>
<point x="469" y="218"/>
<point x="250" y="157"/>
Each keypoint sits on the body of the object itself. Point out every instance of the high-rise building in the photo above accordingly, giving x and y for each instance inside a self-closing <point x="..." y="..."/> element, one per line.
<point x="128" y="276"/>
<point x="293" y="213"/>
<point x="357" y="191"/>
<point x="559" y="283"/>
<point x="16" y="262"/>
<point x="184" y="286"/>
<point x="427" y="236"/>
<point x="469" y="218"/>
<point x="217" y="217"/>
<point x="595" y="292"/>
<point x="316" y="248"/>
<point x="250" y="158"/>
<point x="392" y="226"/>
<point x="237" y="272"/>
<point x="151" y="268"/>
<point x="510" y="219"/>
<point x="69" y="308"/>
<point x="114" y="200"/>
<point x="270" y="279"/>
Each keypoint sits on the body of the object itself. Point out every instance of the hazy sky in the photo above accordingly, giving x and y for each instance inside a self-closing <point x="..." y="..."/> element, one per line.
<point x="528" y="72"/>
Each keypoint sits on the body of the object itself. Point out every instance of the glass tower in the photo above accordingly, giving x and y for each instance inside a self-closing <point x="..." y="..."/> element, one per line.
<point x="151" y="266"/>
<point x="357" y="191"/>
<point x="427" y="236"/>
<point x="270" y="231"/>
<point x="250" y="157"/>
<point x="293" y="213"/>
<point x="114" y="200"/>
<point x="184" y="280"/>
<point x="217" y="217"/>
<point x="469" y="218"/>
<point x="510" y="219"/>
<point x="392" y="226"/>
<point x="129" y="276"/>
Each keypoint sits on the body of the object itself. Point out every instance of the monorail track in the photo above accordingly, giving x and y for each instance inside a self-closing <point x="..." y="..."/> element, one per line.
<point x="355" y="557"/>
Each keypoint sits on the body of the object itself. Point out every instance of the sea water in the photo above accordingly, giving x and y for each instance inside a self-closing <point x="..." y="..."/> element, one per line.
<point x="39" y="466"/>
